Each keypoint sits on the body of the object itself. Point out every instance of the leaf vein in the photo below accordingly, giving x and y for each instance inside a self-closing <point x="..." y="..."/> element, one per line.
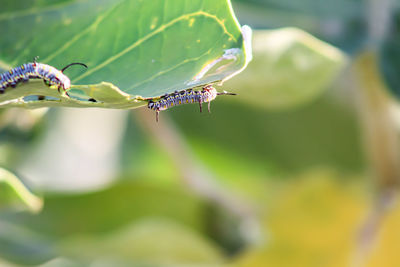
<point x="153" y="33"/>
<point x="90" y="28"/>
<point x="160" y="73"/>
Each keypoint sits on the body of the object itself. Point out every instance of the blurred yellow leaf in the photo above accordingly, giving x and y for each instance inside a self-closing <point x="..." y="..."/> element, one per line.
<point x="385" y="252"/>
<point x="309" y="221"/>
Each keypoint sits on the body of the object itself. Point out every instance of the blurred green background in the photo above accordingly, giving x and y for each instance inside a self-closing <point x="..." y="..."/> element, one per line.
<point x="300" y="168"/>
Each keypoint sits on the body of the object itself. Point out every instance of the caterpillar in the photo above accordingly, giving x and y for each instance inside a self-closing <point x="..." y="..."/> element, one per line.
<point x="208" y="94"/>
<point x="50" y="75"/>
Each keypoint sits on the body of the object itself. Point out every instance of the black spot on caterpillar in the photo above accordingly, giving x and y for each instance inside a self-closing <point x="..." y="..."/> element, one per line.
<point x="50" y="75"/>
<point x="207" y="94"/>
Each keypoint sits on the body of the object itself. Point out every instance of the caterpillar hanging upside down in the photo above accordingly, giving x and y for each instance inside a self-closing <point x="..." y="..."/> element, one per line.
<point x="50" y="75"/>
<point x="208" y="94"/>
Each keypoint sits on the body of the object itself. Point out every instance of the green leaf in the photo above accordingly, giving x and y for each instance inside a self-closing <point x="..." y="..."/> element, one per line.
<point x="14" y="193"/>
<point x="114" y="207"/>
<point x="20" y="245"/>
<point x="290" y="68"/>
<point x="146" y="241"/>
<point x="144" y="48"/>
<point x="340" y="22"/>
<point x="129" y="221"/>
<point x="264" y="141"/>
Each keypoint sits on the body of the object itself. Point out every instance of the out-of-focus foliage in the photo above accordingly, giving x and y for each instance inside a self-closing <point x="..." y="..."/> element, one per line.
<point x="236" y="142"/>
<point x="18" y="129"/>
<point x="110" y="223"/>
<point x="314" y="219"/>
<point x="312" y="216"/>
<point x="341" y="23"/>
<point x="153" y="241"/>
<point x="310" y="63"/>
<point x="13" y="193"/>
<point x="388" y="244"/>
<point x="22" y="246"/>
<point x="390" y="59"/>
<point x="117" y="206"/>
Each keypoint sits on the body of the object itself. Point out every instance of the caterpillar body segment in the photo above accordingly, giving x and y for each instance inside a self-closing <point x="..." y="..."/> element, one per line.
<point x="34" y="70"/>
<point x="206" y="95"/>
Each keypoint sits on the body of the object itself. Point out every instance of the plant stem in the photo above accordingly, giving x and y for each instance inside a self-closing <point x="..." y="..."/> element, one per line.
<point x="195" y="175"/>
<point x="380" y="134"/>
<point x="381" y="145"/>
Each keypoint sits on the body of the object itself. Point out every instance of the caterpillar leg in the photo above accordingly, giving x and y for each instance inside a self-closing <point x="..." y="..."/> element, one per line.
<point x="157" y="114"/>
<point x="66" y="93"/>
<point x="201" y="106"/>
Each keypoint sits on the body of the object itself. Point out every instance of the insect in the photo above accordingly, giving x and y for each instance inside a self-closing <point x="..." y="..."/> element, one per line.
<point x="208" y="94"/>
<point x="50" y="75"/>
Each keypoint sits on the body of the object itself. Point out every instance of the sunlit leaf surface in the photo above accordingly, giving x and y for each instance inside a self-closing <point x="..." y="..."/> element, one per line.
<point x="145" y="48"/>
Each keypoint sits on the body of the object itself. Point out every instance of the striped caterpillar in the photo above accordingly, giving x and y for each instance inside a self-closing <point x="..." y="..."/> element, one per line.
<point x="50" y="75"/>
<point x="208" y="94"/>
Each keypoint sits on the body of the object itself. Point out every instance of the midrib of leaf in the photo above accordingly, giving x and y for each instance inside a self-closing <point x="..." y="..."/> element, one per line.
<point x="163" y="72"/>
